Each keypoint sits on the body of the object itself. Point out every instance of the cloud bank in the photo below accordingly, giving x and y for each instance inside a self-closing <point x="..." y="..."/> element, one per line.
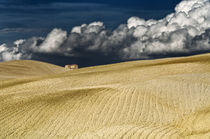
<point x="185" y="31"/>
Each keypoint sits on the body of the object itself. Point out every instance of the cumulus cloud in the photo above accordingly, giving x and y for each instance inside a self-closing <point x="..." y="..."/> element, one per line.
<point x="53" y="41"/>
<point x="7" y="54"/>
<point x="185" y="31"/>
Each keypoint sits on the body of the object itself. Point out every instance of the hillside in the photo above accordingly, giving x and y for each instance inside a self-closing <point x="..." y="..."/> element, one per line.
<point x="166" y="98"/>
<point x="24" y="68"/>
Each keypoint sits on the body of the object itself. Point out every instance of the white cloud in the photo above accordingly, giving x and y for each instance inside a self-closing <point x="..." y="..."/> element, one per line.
<point x="7" y="54"/>
<point x="19" y="42"/>
<point x="135" y="21"/>
<point x="188" y="5"/>
<point x="3" y="48"/>
<point x="53" y="41"/>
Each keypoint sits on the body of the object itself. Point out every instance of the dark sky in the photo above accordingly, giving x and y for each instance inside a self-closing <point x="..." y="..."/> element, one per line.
<point x="27" y="18"/>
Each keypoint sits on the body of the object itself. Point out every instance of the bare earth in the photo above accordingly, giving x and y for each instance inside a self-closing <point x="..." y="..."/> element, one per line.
<point x="167" y="98"/>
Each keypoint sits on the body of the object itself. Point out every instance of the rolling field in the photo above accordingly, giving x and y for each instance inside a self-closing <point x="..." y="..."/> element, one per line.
<point x="152" y="99"/>
<point x="26" y="68"/>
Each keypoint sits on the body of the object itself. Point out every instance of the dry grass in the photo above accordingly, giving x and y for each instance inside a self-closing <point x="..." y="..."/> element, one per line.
<point x="26" y="68"/>
<point x="168" y="98"/>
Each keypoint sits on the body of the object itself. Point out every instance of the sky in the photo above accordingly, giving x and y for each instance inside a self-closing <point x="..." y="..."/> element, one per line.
<point x="107" y="31"/>
<point x="26" y="18"/>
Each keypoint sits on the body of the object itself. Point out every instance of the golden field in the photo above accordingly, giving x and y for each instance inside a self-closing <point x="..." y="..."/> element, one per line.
<point x="151" y="99"/>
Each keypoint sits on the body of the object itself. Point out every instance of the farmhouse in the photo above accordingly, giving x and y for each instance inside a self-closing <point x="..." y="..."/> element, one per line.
<point x="71" y="67"/>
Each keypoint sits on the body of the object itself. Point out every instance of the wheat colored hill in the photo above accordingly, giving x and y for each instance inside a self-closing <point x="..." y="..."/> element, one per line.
<point x="24" y="68"/>
<point x="157" y="99"/>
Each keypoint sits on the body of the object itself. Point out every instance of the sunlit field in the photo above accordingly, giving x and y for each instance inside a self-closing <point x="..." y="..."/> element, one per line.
<point x="166" y="98"/>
